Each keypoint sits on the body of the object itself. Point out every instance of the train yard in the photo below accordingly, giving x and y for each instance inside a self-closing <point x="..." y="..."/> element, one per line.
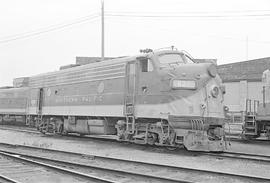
<point x="161" y="115"/>
<point x="118" y="162"/>
<point x="154" y="117"/>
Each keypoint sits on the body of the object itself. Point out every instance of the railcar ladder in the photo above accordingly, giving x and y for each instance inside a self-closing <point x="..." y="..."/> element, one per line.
<point x="250" y="126"/>
<point x="130" y="119"/>
<point x="27" y="116"/>
<point x="130" y="95"/>
<point x="130" y="124"/>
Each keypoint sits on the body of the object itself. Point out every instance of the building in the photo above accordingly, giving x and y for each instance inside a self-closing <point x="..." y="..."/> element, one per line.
<point x="243" y="80"/>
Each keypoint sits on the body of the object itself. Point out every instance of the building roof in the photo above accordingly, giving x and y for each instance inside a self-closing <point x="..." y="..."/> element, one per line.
<point x="250" y="70"/>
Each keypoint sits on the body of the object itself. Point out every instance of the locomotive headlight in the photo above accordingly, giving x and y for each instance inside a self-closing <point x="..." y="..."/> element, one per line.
<point x="215" y="91"/>
<point x="183" y="84"/>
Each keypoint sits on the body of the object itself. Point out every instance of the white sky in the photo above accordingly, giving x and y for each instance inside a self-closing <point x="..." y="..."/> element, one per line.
<point x="223" y="38"/>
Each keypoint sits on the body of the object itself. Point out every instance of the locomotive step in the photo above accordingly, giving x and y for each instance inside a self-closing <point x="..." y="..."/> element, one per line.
<point x="250" y="133"/>
<point x="250" y="127"/>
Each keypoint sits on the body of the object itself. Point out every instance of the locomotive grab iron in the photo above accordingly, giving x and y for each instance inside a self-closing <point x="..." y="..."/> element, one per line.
<point x="159" y="97"/>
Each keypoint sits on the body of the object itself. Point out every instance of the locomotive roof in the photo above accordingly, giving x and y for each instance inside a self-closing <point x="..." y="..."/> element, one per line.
<point x="106" y="62"/>
<point x="95" y="64"/>
<point x="109" y="69"/>
<point x="11" y="89"/>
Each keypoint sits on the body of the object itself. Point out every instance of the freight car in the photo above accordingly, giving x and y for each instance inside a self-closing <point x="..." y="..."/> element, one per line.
<point x="257" y="120"/>
<point x="159" y="97"/>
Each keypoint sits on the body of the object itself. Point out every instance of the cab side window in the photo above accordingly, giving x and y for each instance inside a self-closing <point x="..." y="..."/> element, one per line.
<point x="146" y="65"/>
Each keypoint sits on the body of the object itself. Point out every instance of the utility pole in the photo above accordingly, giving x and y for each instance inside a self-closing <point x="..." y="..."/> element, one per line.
<point x="247" y="48"/>
<point x="102" y="29"/>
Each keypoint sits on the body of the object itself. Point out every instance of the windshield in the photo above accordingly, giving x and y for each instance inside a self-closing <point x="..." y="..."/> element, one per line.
<point x="188" y="60"/>
<point x="173" y="59"/>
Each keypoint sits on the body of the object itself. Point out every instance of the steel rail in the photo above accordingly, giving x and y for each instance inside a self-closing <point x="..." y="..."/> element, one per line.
<point x="196" y="170"/>
<point x="29" y="157"/>
<point x="65" y="170"/>
<point x="242" y="156"/>
<point x="20" y="130"/>
<point x="235" y="155"/>
<point x="8" y="179"/>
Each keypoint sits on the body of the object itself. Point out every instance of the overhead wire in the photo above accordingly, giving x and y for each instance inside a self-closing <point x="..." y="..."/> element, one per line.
<point x="184" y="16"/>
<point x="48" y="29"/>
<point x="155" y="15"/>
<point x="193" y="12"/>
<point x="213" y="36"/>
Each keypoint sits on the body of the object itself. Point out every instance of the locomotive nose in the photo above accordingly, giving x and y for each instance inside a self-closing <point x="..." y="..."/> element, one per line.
<point x="194" y="72"/>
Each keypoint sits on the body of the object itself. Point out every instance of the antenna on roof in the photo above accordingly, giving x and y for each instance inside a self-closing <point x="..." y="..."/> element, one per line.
<point x="167" y="48"/>
<point x="147" y="50"/>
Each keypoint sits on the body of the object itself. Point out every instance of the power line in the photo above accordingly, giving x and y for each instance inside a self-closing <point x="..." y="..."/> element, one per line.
<point x="150" y="27"/>
<point x="193" y="12"/>
<point x="46" y="29"/>
<point x="184" y="16"/>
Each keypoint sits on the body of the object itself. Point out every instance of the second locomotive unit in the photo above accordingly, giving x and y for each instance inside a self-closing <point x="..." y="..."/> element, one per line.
<point x="257" y="119"/>
<point x="160" y="97"/>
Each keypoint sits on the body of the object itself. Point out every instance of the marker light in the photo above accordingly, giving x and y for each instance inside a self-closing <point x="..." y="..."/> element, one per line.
<point x="183" y="84"/>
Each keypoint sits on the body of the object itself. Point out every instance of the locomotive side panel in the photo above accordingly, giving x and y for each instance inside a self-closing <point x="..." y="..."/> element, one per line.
<point x="97" y="98"/>
<point x="33" y="101"/>
<point x="13" y="101"/>
<point x="84" y="91"/>
<point x="13" y="105"/>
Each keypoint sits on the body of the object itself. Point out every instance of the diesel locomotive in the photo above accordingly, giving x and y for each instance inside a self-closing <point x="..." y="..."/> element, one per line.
<point x="160" y="97"/>
<point x="257" y="119"/>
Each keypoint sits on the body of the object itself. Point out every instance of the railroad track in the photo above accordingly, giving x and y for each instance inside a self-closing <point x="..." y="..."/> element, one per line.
<point x="82" y="168"/>
<point x="241" y="156"/>
<point x="130" y="170"/>
<point x="19" y="129"/>
<point x="5" y="179"/>
<point x="234" y="155"/>
<point x="15" y="169"/>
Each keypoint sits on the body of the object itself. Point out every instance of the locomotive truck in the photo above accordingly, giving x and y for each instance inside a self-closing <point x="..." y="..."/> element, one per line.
<point x="160" y="97"/>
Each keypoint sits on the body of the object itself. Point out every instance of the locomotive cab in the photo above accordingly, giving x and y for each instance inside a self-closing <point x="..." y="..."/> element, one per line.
<point x="175" y="102"/>
<point x="198" y="112"/>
